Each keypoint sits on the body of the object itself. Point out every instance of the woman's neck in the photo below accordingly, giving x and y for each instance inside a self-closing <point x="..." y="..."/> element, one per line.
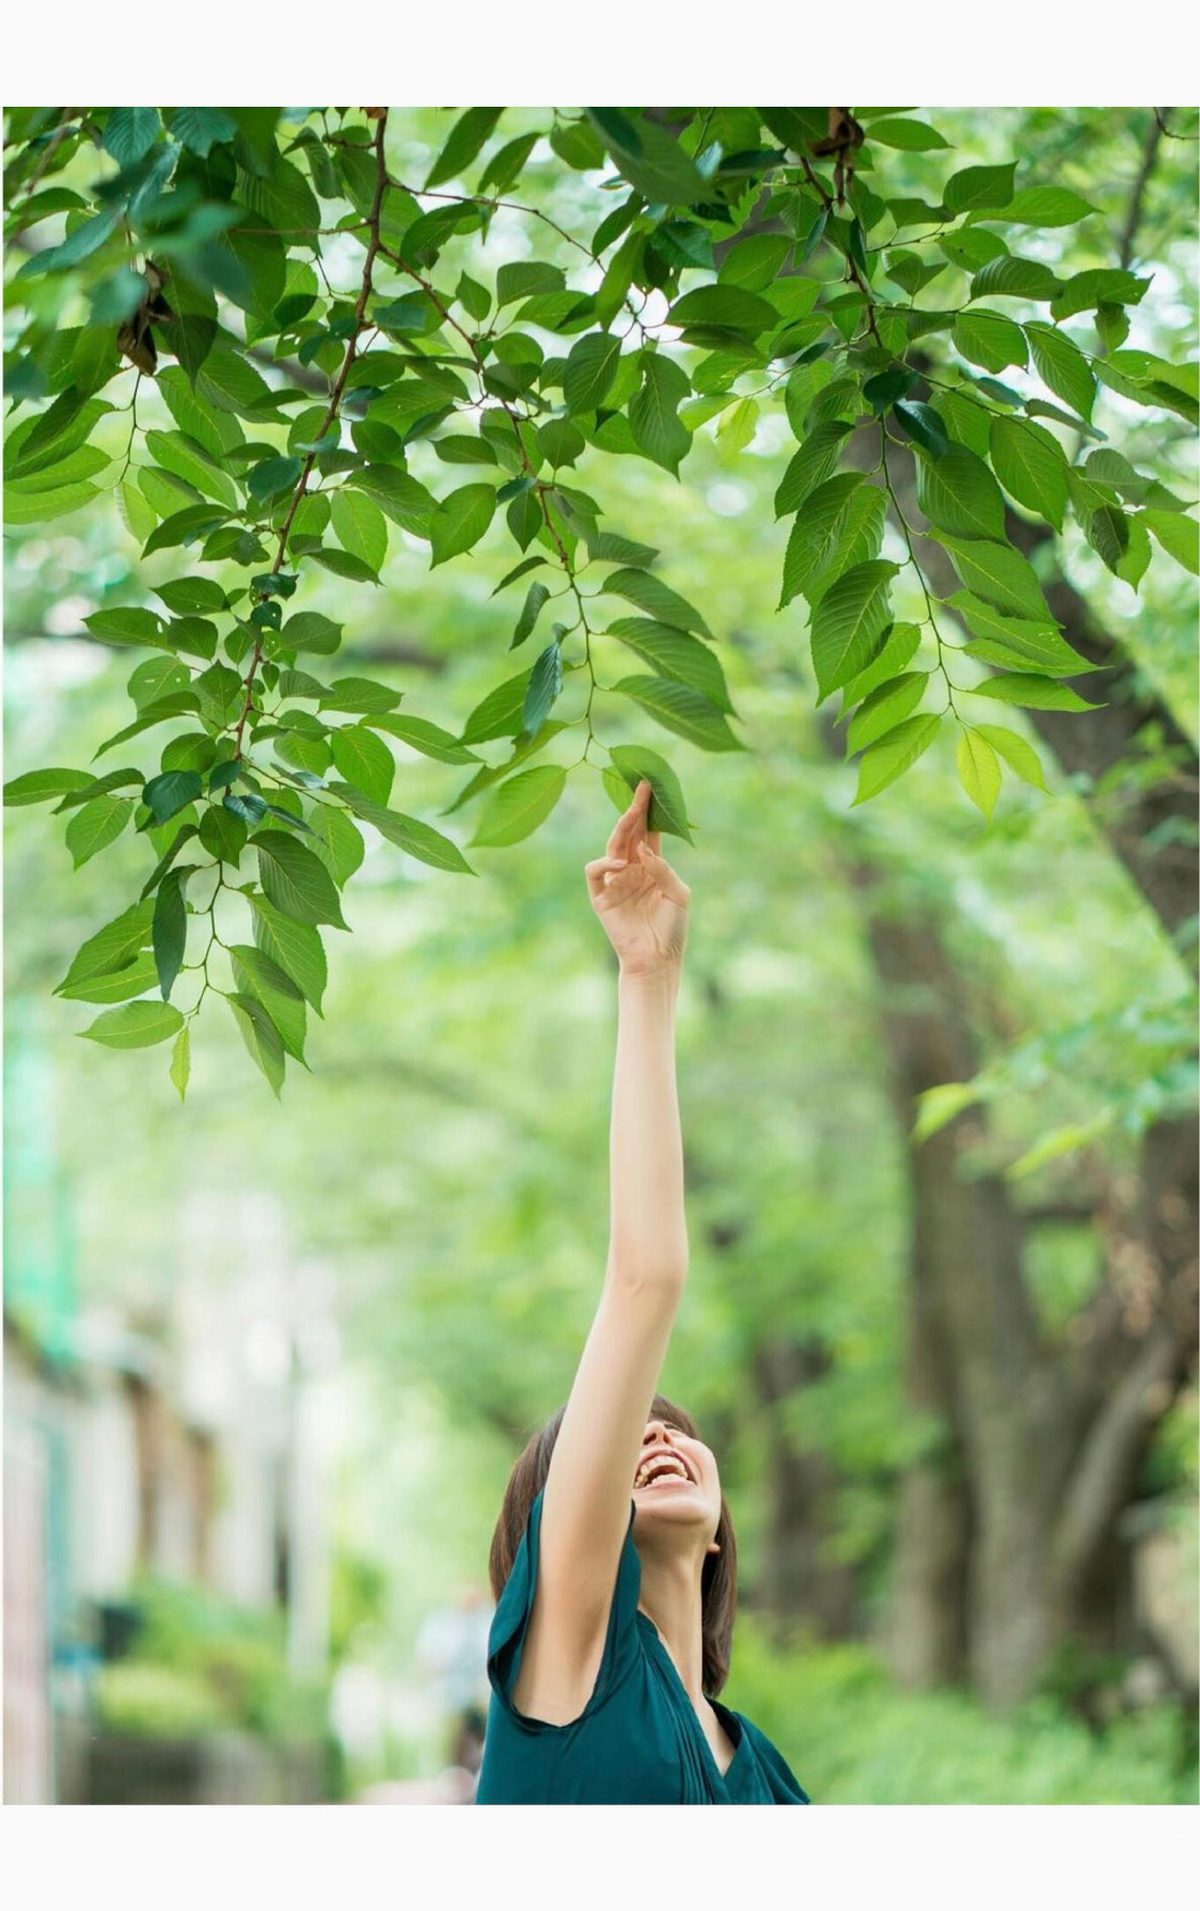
<point x="670" y="1596"/>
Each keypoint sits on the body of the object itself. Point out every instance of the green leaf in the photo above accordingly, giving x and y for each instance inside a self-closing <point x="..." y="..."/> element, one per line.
<point x="1062" y="366"/>
<point x="111" y="947"/>
<point x="38" y="786"/>
<point x="1003" y="639"/>
<point x="79" y="244"/>
<point x="257" y="974"/>
<point x="839" y="525"/>
<point x="273" y="478"/>
<point x="130" y="132"/>
<point x="810" y="465"/>
<point x="337" y="842"/>
<point x="223" y="834"/>
<point x="181" y="1061"/>
<point x="886" y="706"/>
<point x="998" y="574"/>
<point x="895" y="753"/>
<point x="680" y="708"/>
<point x="165" y="795"/>
<point x="407" y="832"/>
<point x="360" y="526"/>
<point x="535" y="597"/>
<point x="183" y="835"/>
<point x="849" y="624"/>
<point x="723" y="307"/>
<point x="1011" y="278"/>
<point x="364" y="761"/>
<point x="1045" y="206"/>
<point x="657" y="599"/>
<point x="668" y="810"/>
<point x="460" y="520"/>
<point x="285" y="199"/>
<point x="100" y="786"/>
<point x="361" y="694"/>
<point x="133" y="978"/>
<point x="126" y="626"/>
<point x="674" y="653"/>
<point x="135" y="1025"/>
<point x="739" y="424"/>
<point x="607" y="548"/>
<point x="520" y="570"/>
<point x="295" y="946"/>
<point x="652" y="412"/>
<point x="191" y="594"/>
<point x="1085" y="291"/>
<point x="978" y="769"/>
<point x="959" y="493"/>
<point x="200" y="128"/>
<point x="95" y="826"/>
<point x="1178" y="535"/>
<point x="311" y="630"/>
<point x="262" y="1038"/>
<point x="1036" y="693"/>
<point x="1031" y="465"/>
<point x="907" y="135"/>
<point x="169" y="930"/>
<point x="976" y="187"/>
<point x="922" y="424"/>
<point x="499" y="713"/>
<point x="466" y="138"/>
<point x="590" y="370"/>
<point x="524" y="277"/>
<point x="518" y="806"/>
<point x="1135" y="561"/>
<point x="990" y="340"/>
<point x="1017" y="753"/>
<point x="428" y="738"/>
<point x="647" y="156"/>
<point x="1107" y="531"/>
<point x="545" y="683"/>
<point x="39" y="507"/>
<point x="755" y="263"/>
<point x="295" y="880"/>
<point x="902" y="644"/>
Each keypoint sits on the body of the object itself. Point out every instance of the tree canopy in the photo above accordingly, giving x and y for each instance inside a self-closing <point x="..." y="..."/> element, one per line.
<point x="267" y="338"/>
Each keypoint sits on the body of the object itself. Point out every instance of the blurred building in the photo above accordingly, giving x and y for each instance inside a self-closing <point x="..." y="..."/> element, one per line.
<point x="192" y="1444"/>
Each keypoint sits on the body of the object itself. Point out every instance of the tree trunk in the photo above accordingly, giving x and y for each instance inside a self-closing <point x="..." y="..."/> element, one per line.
<point x="1049" y="1436"/>
<point x="801" y="1581"/>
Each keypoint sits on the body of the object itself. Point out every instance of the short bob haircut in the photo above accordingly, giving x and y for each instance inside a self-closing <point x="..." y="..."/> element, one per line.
<point x="718" y="1580"/>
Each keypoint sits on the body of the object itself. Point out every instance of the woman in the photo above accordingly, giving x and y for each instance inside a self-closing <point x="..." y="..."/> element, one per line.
<point x="613" y="1562"/>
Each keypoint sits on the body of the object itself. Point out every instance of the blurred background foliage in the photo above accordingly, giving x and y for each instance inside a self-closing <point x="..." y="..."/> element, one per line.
<point x="435" y="1190"/>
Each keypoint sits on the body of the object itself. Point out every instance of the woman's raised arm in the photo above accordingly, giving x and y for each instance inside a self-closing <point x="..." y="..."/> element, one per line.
<point x="643" y="907"/>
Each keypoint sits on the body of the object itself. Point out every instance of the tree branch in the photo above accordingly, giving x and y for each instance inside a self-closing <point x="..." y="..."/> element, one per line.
<point x="1100" y="1482"/>
<point x="1133" y="217"/>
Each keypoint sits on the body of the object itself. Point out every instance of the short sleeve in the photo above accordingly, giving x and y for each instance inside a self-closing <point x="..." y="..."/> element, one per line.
<point x="785" y="1786"/>
<point x="510" y="1623"/>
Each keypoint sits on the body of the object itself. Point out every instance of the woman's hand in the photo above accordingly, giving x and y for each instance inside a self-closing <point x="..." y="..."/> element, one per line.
<point x="638" y="897"/>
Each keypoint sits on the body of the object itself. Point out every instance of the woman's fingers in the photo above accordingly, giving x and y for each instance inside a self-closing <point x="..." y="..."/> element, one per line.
<point x="668" y="881"/>
<point x="599" y="870"/>
<point x="630" y="827"/>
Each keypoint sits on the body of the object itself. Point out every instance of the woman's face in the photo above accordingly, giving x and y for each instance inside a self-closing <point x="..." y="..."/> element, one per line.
<point x="676" y="1484"/>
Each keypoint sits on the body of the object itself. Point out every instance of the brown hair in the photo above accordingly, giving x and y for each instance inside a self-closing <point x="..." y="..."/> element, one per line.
<point x="718" y="1579"/>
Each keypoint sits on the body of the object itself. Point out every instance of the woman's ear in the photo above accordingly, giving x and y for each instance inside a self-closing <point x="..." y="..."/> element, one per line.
<point x="714" y="1546"/>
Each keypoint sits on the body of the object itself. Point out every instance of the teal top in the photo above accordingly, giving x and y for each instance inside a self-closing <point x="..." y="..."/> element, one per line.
<point x="638" y="1740"/>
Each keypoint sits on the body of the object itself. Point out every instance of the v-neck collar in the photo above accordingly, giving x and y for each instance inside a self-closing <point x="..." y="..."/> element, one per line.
<point x="728" y="1719"/>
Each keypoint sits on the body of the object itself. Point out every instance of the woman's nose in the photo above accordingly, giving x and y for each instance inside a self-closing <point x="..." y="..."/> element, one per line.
<point x="655" y="1431"/>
